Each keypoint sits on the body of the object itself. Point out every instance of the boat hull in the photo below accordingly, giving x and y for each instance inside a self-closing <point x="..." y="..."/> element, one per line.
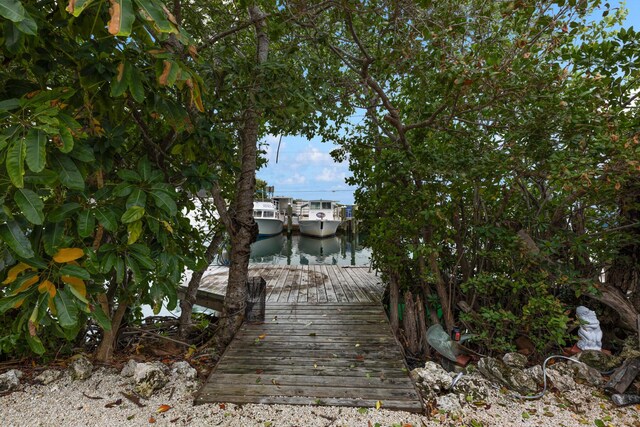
<point x="319" y="228"/>
<point x="269" y="226"/>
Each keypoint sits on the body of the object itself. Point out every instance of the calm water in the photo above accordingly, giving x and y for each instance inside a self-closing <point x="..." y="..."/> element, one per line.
<point x="304" y="250"/>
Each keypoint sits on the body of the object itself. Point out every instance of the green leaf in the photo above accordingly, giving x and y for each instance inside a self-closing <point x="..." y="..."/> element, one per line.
<point x="7" y="303"/>
<point x="15" y="162"/>
<point x="46" y="177"/>
<point x="119" y="270"/>
<point x="13" y="37"/>
<point x="123" y="189"/>
<point x="69" y="174"/>
<point x="153" y="12"/>
<point x="119" y="82"/>
<point x="27" y="25"/>
<point x="34" y="343"/>
<point x="144" y="168"/>
<point x="107" y="218"/>
<point x="36" y="141"/>
<point x="134" y="80"/>
<point x="13" y="236"/>
<point x="101" y="318"/>
<point x="599" y="423"/>
<point x="129" y="175"/>
<point x="145" y="261"/>
<point x="67" y="140"/>
<point x="83" y="153"/>
<point x="86" y="223"/>
<point x="78" y="6"/>
<point x="12" y="10"/>
<point x="9" y="104"/>
<point x="132" y="214"/>
<point x="137" y="198"/>
<point x="67" y="310"/>
<point x="135" y="231"/>
<point x="165" y="202"/>
<point x="30" y="204"/>
<point x="63" y="212"/>
<point x="74" y="271"/>
<point x="122" y="17"/>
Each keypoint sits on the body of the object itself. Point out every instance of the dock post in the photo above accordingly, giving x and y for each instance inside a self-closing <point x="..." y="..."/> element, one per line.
<point x="289" y="219"/>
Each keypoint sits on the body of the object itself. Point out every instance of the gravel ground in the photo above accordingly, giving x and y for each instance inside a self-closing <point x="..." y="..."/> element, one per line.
<point x="99" y="401"/>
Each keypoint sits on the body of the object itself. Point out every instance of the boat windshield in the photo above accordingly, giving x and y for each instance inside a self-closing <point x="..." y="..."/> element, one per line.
<point x="257" y="214"/>
<point x="268" y="214"/>
<point x="320" y="205"/>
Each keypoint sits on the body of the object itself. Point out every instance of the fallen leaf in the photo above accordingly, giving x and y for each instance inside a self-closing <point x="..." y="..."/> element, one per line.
<point x="262" y="336"/>
<point x="163" y="408"/>
<point x="133" y="398"/>
<point x="378" y="404"/>
<point x="360" y="357"/>
<point x="92" y="397"/>
<point x="152" y="420"/>
<point x="114" y="403"/>
<point x="223" y="406"/>
<point x="362" y="410"/>
<point x="273" y="381"/>
<point x="174" y="420"/>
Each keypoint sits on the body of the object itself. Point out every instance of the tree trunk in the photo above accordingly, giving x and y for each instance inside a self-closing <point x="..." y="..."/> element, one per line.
<point x="186" y="303"/>
<point x="410" y="323"/>
<point x="105" y="350"/>
<point x="394" y="298"/>
<point x="613" y="298"/>
<point x="422" y="325"/>
<point x="244" y="229"/>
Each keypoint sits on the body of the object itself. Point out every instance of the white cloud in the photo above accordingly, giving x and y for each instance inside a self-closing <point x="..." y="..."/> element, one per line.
<point x="296" y="179"/>
<point x="313" y="155"/>
<point x="332" y="174"/>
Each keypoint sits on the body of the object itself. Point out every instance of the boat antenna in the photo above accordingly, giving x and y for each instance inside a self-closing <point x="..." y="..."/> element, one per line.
<point x="278" y="150"/>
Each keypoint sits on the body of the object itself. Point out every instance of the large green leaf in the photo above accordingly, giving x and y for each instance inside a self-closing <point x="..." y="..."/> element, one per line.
<point x="165" y="202"/>
<point x="67" y="310"/>
<point x="102" y="319"/>
<point x="27" y="25"/>
<point x="74" y="271"/>
<point x="77" y="6"/>
<point x="132" y="214"/>
<point x="12" y="10"/>
<point x="68" y="172"/>
<point x="67" y="140"/>
<point x="30" y="204"/>
<point x="7" y="303"/>
<point x="86" y="223"/>
<point x="137" y="198"/>
<point x="134" y="80"/>
<point x="135" y="231"/>
<point x="15" y="162"/>
<point x="36" y="150"/>
<point x="107" y="218"/>
<point x="122" y="17"/>
<point x="34" y="343"/>
<point x="9" y="104"/>
<point x="12" y="235"/>
<point x="153" y="11"/>
<point x="63" y="212"/>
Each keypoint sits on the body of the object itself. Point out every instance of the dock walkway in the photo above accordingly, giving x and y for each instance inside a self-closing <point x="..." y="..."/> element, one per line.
<point x="325" y="340"/>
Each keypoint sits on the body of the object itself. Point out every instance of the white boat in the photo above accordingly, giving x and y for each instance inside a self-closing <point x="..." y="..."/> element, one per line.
<point x="322" y="221"/>
<point x="268" y="219"/>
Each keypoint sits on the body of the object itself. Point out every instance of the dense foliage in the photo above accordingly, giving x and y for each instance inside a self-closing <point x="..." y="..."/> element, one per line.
<point x="497" y="162"/>
<point x="497" y="159"/>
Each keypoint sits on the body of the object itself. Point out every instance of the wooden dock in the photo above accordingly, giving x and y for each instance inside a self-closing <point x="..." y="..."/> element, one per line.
<point x="325" y="340"/>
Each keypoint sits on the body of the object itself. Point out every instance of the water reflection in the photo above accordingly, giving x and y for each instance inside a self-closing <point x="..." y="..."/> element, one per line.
<point x="304" y="250"/>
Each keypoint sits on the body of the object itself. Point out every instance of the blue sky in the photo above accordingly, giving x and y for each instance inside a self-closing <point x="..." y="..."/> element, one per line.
<point x="305" y="169"/>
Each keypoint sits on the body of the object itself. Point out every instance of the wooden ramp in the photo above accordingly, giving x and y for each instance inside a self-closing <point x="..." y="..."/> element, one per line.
<point x="326" y="340"/>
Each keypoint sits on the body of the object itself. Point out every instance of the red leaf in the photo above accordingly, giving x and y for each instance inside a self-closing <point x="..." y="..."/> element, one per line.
<point x="152" y="420"/>
<point x="163" y="408"/>
<point x="223" y="406"/>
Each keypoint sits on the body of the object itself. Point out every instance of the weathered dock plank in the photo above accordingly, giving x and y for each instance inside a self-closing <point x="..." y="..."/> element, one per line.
<point x="317" y="353"/>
